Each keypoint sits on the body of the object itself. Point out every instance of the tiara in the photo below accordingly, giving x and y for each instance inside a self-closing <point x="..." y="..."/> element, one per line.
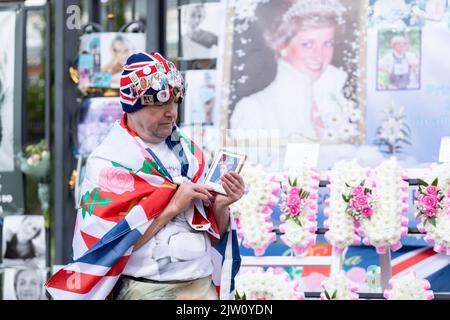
<point x="306" y="7"/>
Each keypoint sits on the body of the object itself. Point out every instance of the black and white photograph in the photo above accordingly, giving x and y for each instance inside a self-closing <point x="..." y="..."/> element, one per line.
<point x="7" y="57"/>
<point x="23" y="241"/>
<point x="24" y="284"/>
<point x="200" y="23"/>
<point x="199" y="104"/>
<point x="224" y="162"/>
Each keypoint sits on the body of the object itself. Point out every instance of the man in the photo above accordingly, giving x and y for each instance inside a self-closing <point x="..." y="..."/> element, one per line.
<point x="146" y="225"/>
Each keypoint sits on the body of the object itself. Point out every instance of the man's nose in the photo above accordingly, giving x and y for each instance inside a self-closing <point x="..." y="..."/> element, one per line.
<point x="171" y="110"/>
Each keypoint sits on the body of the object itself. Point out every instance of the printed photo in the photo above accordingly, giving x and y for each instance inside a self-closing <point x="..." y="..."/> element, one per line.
<point x="24" y="284"/>
<point x="102" y="56"/>
<point x="225" y="162"/>
<point x="199" y="104"/>
<point x="97" y="115"/>
<point x="23" y="241"/>
<point x="200" y="23"/>
<point x="399" y="60"/>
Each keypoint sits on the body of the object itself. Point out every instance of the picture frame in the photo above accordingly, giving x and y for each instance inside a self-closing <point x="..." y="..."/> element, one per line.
<point x="224" y="162"/>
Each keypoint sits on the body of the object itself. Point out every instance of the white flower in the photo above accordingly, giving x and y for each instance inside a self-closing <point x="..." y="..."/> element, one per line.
<point x="391" y="130"/>
<point x="355" y="115"/>
<point x="348" y="131"/>
<point x="330" y="135"/>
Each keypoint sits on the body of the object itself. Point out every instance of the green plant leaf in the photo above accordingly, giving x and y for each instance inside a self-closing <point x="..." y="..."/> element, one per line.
<point x="95" y="195"/>
<point x="425" y="222"/>
<point x="118" y="165"/>
<point x="91" y="208"/>
<point x="85" y="198"/>
<point x="433" y="221"/>
<point x="104" y="202"/>
<point x="327" y="295"/>
<point x="147" y="167"/>
<point x="435" y="182"/>
<point x="347" y="185"/>
<point x="290" y="181"/>
<point x="83" y="212"/>
<point x="420" y="182"/>
<point x="244" y="297"/>
<point x="295" y="182"/>
<point x="346" y="199"/>
<point x="362" y="182"/>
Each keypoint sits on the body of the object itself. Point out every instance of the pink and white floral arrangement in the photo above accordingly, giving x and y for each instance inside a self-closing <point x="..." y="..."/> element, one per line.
<point x="433" y="207"/>
<point x="388" y="222"/>
<point x="372" y="204"/>
<point x="339" y="287"/>
<point x="272" y="284"/>
<point x="409" y="287"/>
<point x="253" y="212"/>
<point x="299" y="208"/>
<point x="340" y="223"/>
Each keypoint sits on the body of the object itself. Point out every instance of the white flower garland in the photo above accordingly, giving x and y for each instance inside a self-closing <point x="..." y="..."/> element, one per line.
<point x="409" y="287"/>
<point x="440" y="233"/>
<point x="339" y="287"/>
<point x="389" y="223"/>
<point x="340" y="225"/>
<point x="273" y="284"/>
<point x="253" y="211"/>
<point x="300" y="235"/>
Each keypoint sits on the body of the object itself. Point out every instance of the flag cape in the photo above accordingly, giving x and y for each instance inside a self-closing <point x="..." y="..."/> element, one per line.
<point x="125" y="188"/>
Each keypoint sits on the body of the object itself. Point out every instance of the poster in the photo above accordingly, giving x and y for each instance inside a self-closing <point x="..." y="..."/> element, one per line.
<point x="97" y="116"/>
<point x="199" y="30"/>
<point x="24" y="284"/>
<point x="199" y="103"/>
<point x="7" y="65"/>
<point x="102" y="56"/>
<point x="11" y="179"/>
<point x="291" y="71"/>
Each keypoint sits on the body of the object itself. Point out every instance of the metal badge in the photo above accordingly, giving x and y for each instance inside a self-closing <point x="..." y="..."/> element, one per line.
<point x="134" y="78"/>
<point x="163" y="96"/>
<point x="160" y="67"/>
<point x="171" y="65"/>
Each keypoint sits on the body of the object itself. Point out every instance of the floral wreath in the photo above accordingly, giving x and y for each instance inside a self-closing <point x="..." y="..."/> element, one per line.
<point x="272" y="284"/>
<point x="409" y="287"/>
<point x="254" y="210"/>
<point x="339" y="287"/>
<point x="388" y="223"/>
<point x="433" y="208"/>
<point x="299" y="209"/>
<point x="367" y="203"/>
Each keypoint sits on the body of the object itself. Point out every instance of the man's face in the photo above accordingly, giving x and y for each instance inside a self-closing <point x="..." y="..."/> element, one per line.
<point x="155" y="121"/>
<point x="28" y="286"/>
<point x="311" y="51"/>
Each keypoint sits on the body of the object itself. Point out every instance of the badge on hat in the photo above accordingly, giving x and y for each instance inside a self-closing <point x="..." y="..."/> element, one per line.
<point x="160" y="67"/>
<point x="147" y="100"/>
<point x="163" y="96"/>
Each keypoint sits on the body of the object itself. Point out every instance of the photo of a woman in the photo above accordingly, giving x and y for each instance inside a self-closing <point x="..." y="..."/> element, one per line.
<point x="24" y="284"/>
<point x="24" y="241"/>
<point x="308" y="100"/>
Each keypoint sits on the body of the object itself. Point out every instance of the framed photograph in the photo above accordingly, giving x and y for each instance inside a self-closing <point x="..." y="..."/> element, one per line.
<point x="224" y="162"/>
<point x="24" y="284"/>
<point x="199" y="104"/>
<point x="102" y="56"/>
<point x="23" y="241"/>
<point x="97" y="115"/>
<point x="399" y="59"/>
<point x="295" y="67"/>
<point x="200" y="23"/>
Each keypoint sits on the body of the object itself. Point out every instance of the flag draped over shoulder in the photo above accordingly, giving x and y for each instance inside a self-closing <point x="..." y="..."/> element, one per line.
<point x="123" y="191"/>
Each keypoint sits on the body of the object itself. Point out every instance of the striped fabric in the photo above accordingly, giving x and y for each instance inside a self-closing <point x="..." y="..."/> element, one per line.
<point x="123" y="191"/>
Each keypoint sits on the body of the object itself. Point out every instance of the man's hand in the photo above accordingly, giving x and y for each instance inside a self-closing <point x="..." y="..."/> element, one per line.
<point x="188" y="192"/>
<point x="234" y="187"/>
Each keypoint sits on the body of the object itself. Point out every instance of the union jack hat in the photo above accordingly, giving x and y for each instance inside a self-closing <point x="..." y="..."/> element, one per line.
<point x="149" y="79"/>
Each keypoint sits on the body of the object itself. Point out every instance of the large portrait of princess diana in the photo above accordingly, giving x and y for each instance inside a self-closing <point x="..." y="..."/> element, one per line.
<point x="295" y="67"/>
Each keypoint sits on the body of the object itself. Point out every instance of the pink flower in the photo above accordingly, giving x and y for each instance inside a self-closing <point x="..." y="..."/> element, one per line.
<point x="294" y="190"/>
<point x="429" y="201"/>
<point x="117" y="180"/>
<point x="430" y="212"/>
<point x="354" y="204"/>
<point x="294" y="211"/>
<point x="357" y="191"/>
<point x="432" y="190"/>
<point x="367" y="212"/>
<point x="361" y="200"/>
